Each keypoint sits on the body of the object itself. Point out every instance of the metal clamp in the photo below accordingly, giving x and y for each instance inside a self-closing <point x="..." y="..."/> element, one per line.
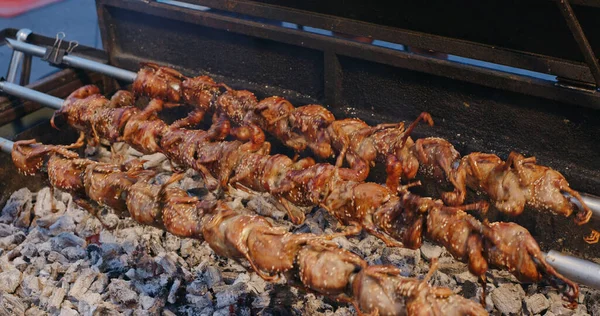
<point x="55" y="54"/>
<point x="18" y="58"/>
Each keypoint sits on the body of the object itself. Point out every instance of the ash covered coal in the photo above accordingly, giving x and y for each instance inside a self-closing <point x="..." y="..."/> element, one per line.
<point x="57" y="259"/>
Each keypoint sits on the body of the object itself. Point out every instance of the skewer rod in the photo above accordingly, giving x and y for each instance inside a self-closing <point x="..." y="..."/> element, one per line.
<point x="593" y="202"/>
<point x="6" y="145"/>
<point x="76" y="62"/>
<point x="30" y="94"/>
<point x="575" y="269"/>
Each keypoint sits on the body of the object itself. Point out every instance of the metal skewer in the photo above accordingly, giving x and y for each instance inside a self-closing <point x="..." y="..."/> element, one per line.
<point x="578" y="270"/>
<point x="575" y="269"/>
<point x="591" y="201"/>
<point x="75" y="62"/>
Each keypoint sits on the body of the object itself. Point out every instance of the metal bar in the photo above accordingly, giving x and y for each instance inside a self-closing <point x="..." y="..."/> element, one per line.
<point x="584" y="45"/>
<point x="445" y="68"/>
<point x="17" y="56"/>
<point x="593" y="202"/>
<point x="575" y="269"/>
<point x="6" y="145"/>
<point x="490" y="53"/>
<point x="76" y="62"/>
<point x="26" y="70"/>
<point x="30" y="94"/>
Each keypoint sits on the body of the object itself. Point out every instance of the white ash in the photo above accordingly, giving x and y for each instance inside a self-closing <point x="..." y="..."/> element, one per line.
<point x="56" y="259"/>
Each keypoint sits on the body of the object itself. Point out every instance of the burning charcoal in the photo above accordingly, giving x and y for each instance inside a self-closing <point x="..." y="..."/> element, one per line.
<point x="88" y="303"/>
<point x="152" y="287"/>
<point x="405" y="259"/>
<point x="82" y="284"/>
<point x="106" y="309"/>
<point x="7" y="230"/>
<point x="465" y="276"/>
<point x="75" y="212"/>
<point x="121" y="293"/>
<point x="19" y="202"/>
<point x="172" y="298"/>
<point x="30" y="286"/>
<point x="57" y="297"/>
<point x="12" y="241"/>
<point x="199" y="301"/>
<point x="430" y="251"/>
<point x="369" y="245"/>
<point x="262" y="206"/>
<point x="230" y="295"/>
<point x="44" y="248"/>
<point x="95" y="254"/>
<point x="170" y="263"/>
<point x="441" y="279"/>
<point x="74" y="253"/>
<point x="11" y="305"/>
<point x="10" y="280"/>
<point x="469" y="289"/>
<point x="24" y="219"/>
<point x="44" y="203"/>
<point x="35" y="311"/>
<point x="62" y="224"/>
<point x="146" y="301"/>
<point x="100" y="284"/>
<point x="197" y="287"/>
<point x="89" y="227"/>
<point x="172" y="242"/>
<point x="212" y="276"/>
<point x="66" y="239"/>
<point x="130" y="239"/>
<point x="29" y="251"/>
<point x="154" y="160"/>
<point x="537" y="303"/>
<point x="114" y="267"/>
<point x="67" y="311"/>
<point x="73" y="271"/>
<point x="507" y="298"/>
<point x="557" y="306"/>
<point x="20" y="264"/>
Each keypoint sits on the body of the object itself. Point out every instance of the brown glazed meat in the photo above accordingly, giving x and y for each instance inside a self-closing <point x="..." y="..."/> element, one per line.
<point x="307" y="260"/>
<point x="516" y="183"/>
<point x="397" y="218"/>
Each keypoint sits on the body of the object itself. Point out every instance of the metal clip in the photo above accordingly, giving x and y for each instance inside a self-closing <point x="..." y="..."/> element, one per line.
<point x="55" y="54"/>
<point x="72" y="45"/>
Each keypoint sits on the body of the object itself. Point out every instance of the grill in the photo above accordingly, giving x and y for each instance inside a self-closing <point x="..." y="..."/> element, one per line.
<point x="345" y="55"/>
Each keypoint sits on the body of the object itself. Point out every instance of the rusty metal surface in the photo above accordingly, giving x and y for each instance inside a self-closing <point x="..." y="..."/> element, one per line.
<point x="581" y="39"/>
<point x="521" y="35"/>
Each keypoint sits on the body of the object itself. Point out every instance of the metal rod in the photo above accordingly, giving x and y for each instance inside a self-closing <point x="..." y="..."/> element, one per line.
<point x="30" y="94"/>
<point x="76" y="62"/>
<point x="17" y="56"/>
<point x="584" y="45"/>
<point x="6" y="145"/>
<point x="593" y="202"/>
<point x="576" y="269"/>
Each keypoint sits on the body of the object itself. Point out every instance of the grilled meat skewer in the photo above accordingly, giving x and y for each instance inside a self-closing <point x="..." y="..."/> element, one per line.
<point x="314" y="127"/>
<point x="397" y="219"/>
<point x="306" y="260"/>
